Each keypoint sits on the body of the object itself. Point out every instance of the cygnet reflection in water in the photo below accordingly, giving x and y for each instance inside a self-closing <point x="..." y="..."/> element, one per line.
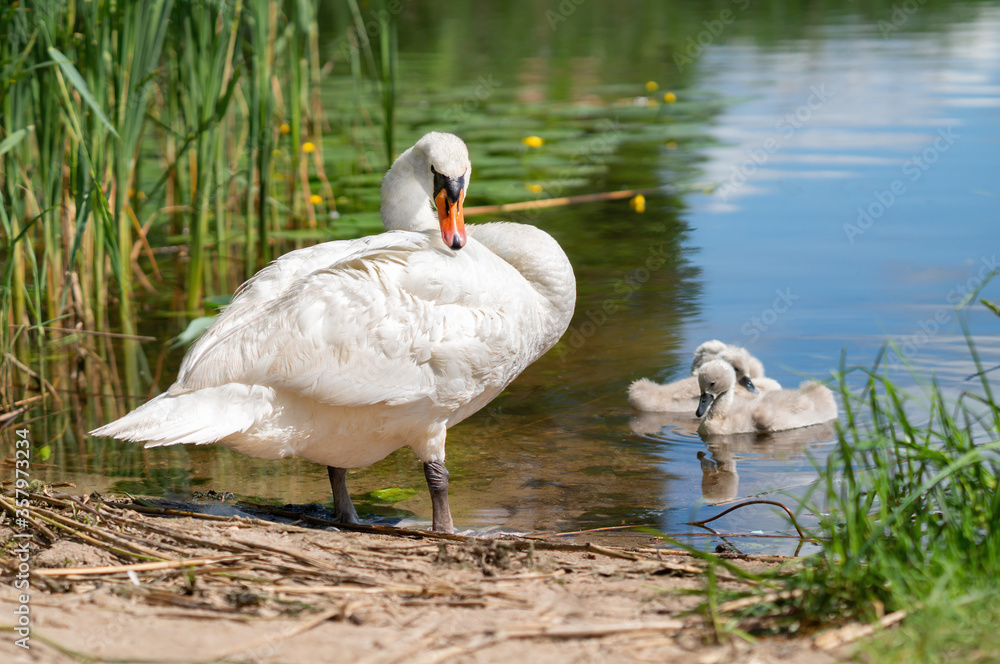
<point x="720" y="477"/>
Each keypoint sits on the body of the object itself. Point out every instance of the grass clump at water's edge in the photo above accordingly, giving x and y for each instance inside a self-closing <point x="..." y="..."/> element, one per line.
<point x="909" y="520"/>
<point x="910" y="516"/>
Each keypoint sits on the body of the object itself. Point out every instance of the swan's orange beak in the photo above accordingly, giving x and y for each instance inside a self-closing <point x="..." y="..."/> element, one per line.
<point x="452" y="218"/>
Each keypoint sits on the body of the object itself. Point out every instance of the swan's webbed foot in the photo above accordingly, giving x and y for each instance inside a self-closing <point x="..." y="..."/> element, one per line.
<point x="343" y="507"/>
<point x="437" y="482"/>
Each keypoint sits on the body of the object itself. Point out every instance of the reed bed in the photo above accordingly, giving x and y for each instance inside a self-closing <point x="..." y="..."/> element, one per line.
<point x="142" y="138"/>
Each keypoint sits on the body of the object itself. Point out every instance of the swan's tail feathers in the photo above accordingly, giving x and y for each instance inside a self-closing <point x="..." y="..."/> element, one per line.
<point x="199" y="417"/>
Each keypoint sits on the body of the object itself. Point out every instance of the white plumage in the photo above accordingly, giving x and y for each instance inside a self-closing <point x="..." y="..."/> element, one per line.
<point x="346" y="351"/>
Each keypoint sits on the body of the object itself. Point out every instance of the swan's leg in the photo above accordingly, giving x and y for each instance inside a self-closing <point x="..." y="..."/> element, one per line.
<point x="437" y="482"/>
<point x="342" y="505"/>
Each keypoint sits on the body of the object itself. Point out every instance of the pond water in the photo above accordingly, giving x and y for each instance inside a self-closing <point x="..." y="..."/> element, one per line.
<point x="823" y="183"/>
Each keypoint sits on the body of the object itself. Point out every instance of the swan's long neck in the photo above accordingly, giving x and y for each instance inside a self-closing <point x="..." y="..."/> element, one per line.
<point x="721" y="405"/>
<point x="406" y="199"/>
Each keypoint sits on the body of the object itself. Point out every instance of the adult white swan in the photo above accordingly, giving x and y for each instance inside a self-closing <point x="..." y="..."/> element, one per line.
<point x="343" y="352"/>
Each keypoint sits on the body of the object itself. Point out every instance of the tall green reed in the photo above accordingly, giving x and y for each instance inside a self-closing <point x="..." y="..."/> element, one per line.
<point x="380" y="24"/>
<point x="260" y="54"/>
<point x="206" y="39"/>
<point x="387" y="65"/>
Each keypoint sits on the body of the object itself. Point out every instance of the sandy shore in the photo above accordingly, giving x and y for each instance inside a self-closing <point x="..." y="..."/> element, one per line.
<point x="126" y="586"/>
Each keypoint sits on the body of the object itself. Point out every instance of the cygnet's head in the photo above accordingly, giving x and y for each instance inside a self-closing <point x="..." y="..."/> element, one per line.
<point x="742" y="363"/>
<point x="715" y="378"/>
<point x="707" y="352"/>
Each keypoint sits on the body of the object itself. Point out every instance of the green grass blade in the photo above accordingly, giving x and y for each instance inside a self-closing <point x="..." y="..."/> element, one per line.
<point x="74" y="78"/>
<point x="8" y="144"/>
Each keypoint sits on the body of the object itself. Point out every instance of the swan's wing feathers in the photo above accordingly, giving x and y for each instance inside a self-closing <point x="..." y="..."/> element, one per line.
<point x="275" y="279"/>
<point x="342" y="338"/>
<point x="361" y="332"/>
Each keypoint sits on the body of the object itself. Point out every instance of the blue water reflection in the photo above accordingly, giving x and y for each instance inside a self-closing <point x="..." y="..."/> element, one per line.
<point x="856" y="199"/>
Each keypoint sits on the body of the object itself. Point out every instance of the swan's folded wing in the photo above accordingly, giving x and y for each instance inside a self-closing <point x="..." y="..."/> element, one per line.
<point x="265" y="287"/>
<point x="351" y="335"/>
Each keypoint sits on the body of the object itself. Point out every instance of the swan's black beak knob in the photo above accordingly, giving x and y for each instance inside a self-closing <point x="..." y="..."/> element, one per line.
<point x="747" y="383"/>
<point x="703" y="404"/>
<point x="449" y="195"/>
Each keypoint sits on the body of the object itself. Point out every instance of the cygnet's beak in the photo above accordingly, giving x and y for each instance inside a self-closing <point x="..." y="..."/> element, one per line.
<point x="747" y="383"/>
<point x="703" y="404"/>
<point x="449" y="196"/>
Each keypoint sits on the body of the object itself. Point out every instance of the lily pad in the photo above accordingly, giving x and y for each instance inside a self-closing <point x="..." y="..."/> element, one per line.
<point x="392" y="494"/>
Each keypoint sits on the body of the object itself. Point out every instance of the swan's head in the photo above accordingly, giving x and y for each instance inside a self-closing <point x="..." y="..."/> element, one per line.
<point x="706" y="352"/>
<point x="715" y="378"/>
<point x="439" y="165"/>
<point x="742" y="363"/>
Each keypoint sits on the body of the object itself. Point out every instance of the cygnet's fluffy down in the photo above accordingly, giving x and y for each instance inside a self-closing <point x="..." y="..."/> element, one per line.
<point x="724" y="413"/>
<point x="682" y="395"/>
<point x="709" y="351"/>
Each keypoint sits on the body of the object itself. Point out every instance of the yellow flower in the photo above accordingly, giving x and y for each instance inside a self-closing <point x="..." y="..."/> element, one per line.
<point x="534" y="188"/>
<point x="638" y="203"/>
<point x="671" y="145"/>
<point x="284" y="128"/>
<point x="533" y="141"/>
<point x="652" y="86"/>
<point x="308" y="146"/>
<point x="670" y="97"/>
<point x="315" y="199"/>
<point x="276" y="153"/>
